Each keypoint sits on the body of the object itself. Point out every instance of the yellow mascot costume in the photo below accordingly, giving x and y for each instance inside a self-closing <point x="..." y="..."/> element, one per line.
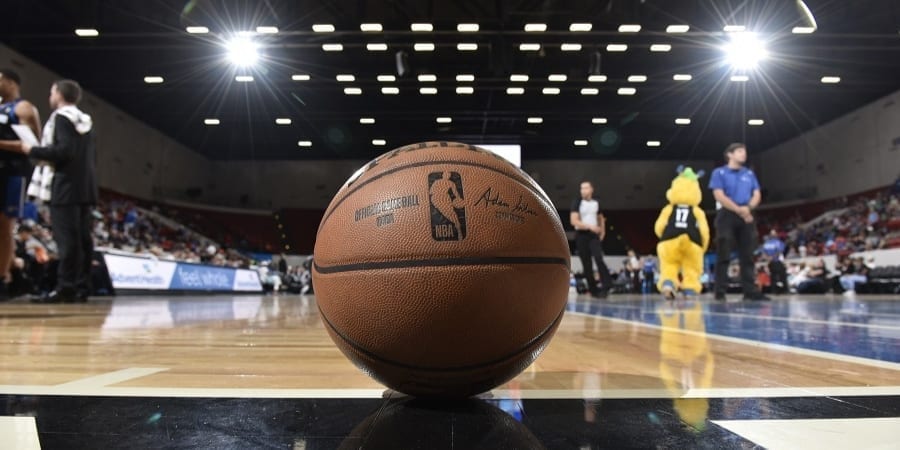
<point x="683" y="236"/>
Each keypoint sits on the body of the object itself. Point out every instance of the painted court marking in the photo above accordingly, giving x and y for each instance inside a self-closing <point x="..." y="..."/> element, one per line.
<point x="876" y="433"/>
<point x="19" y="433"/>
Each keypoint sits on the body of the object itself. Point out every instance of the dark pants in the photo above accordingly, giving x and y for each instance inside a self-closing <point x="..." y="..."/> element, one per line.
<point x="779" y="276"/>
<point x="733" y="233"/>
<point x="587" y="244"/>
<point x="72" y="232"/>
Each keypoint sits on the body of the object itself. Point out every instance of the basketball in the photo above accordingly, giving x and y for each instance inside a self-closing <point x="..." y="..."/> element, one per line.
<point x="441" y="270"/>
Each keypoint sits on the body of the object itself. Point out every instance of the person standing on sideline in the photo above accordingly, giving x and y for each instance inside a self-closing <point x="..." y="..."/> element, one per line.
<point x="68" y="145"/>
<point x="15" y="169"/>
<point x="590" y="229"/>
<point x="737" y="194"/>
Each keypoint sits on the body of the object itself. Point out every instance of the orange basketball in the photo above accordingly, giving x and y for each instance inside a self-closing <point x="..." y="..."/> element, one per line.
<point x="441" y="269"/>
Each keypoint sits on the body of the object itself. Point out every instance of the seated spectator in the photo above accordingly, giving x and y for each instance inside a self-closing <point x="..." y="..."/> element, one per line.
<point x="853" y="272"/>
<point x="813" y="279"/>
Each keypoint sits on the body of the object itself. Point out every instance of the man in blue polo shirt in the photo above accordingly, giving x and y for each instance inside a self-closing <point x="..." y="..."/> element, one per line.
<point x="737" y="194"/>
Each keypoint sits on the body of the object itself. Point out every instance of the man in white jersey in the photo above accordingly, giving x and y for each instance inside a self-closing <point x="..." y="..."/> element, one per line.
<point x="590" y="229"/>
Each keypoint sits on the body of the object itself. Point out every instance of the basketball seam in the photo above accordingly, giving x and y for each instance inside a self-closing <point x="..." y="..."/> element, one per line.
<point x="356" y="346"/>
<point x="430" y="163"/>
<point x="439" y="262"/>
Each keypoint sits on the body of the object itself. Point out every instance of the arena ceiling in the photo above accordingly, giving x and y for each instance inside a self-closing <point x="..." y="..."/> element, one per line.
<point x="296" y="79"/>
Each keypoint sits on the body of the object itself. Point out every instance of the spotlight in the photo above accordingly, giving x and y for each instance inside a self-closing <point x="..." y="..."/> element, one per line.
<point x="745" y="51"/>
<point x="242" y="52"/>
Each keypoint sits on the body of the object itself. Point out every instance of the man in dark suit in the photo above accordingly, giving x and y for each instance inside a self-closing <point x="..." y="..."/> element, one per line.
<point x="68" y="144"/>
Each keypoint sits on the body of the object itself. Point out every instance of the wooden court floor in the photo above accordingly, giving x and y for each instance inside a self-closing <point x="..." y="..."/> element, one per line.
<point x="624" y="347"/>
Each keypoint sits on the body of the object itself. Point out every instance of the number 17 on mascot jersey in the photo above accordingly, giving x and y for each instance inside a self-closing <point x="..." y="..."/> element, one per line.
<point x="683" y="234"/>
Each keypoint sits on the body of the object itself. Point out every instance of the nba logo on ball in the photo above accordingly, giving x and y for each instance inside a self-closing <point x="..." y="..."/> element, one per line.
<point x="448" y="206"/>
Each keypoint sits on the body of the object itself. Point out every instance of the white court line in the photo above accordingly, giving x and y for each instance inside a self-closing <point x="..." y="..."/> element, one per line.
<point x="783" y="348"/>
<point x="871" y="433"/>
<point x="106" y="379"/>
<point x="19" y="433"/>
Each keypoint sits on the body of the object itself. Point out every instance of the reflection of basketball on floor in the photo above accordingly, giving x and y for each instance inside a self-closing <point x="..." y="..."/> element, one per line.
<point x="441" y="269"/>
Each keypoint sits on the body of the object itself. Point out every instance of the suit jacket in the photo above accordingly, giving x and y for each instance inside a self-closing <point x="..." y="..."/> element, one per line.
<point x="72" y="155"/>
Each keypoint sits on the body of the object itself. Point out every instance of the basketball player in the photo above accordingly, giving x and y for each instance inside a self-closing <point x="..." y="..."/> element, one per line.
<point x="590" y="229"/>
<point x="15" y="168"/>
<point x="737" y="194"/>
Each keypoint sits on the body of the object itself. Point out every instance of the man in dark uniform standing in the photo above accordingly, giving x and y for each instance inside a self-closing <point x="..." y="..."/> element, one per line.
<point x="15" y="169"/>
<point x="737" y="194"/>
<point x="590" y="229"/>
<point x="68" y="144"/>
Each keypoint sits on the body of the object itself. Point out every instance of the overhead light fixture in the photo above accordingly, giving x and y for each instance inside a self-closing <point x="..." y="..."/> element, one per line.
<point x="518" y="78"/>
<point x="755" y="122"/>
<point x="465" y="77"/>
<point x="626" y="91"/>
<point x="211" y="121"/>
<point x="283" y="121"/>
<point x="682" y="77"/>
<point x="467" y="27"/>
<point x="678" y="28"/>
<point x="598" y="120"/>
<point x="423" y="47"/>
<point x="734" y="28"/>
<point x="386" y="78"/>
<point x="590" y="91"/>
<point x="550" y="91"/>
<point x="267" y="30"/>
<point x="467" y="46"/>
<point x="153" y="80"/>
<point x="323" y="28"/>
<point x="570" y="47"/>
<point x="352" y="91"/>
<point x="535" y="120"/>
<point x="535" y="27"/>
<point x="379" y="142"/>
<point x="745" y="51"/>
<point x="428" y="90"/>
<point x="831" y="80"/>
<point x="465" y="90"/>
<point x="637" y="78"/>
<point x="529" y="47"/>
<point x="376" y="47"/>
<point x="87" y="32"/>
<point x="653" y="143"/>
<point x="421" y="27"/>
<point x="243" y="78"/>
<point x="581" y="26"/>
<point x="242" y="52"/>
<point x="557" y="77"/>
<point x="370" y="27"/>
<point x="427" y="78"/>
<point x="629" y="28"/>
<point x="197" y="30"/>
<point x="580" y="142"/>
<point x="304" y="143"/>
<point x="299" y="77"/>
<point x="390" y="90"/>
<point x="366" y="120"/>
<point x="333" y="47"/>
<point x="444" y="120"/>
<point x="803" y="30"/>
<point x="660" y="47"/>
<point x="515" y="91"/>
<point x="682" y="121"/>
<point x="617" y="47"/>
<point x="597" y="78"/>
<point x="345" y="78"/>
<point x="739" y="78"/>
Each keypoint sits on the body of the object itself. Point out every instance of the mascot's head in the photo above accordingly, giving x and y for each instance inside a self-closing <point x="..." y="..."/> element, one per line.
<point x="685" y="188"/>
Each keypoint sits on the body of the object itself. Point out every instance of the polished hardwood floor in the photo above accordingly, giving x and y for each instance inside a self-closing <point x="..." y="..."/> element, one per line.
<point x="248" y="372"/>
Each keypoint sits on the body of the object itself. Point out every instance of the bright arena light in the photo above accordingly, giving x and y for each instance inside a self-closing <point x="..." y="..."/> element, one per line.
<point x="745" y="51"/>
<point x="242" y="52"/>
